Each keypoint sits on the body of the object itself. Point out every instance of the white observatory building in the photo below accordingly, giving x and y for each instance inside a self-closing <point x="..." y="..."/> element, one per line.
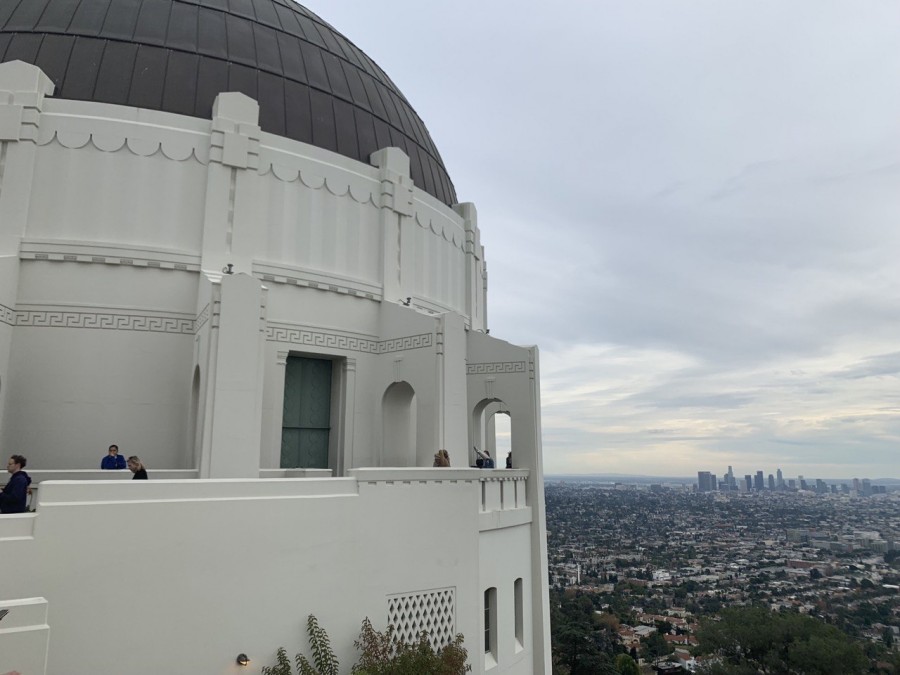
<point x="229" y="245"/>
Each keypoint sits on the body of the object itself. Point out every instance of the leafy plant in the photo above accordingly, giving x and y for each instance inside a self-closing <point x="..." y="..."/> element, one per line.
<point x="282" y="664"/>
<point x="382" y="653"/>
<point x="324" y="660"/>
<point x="386" y="654"/>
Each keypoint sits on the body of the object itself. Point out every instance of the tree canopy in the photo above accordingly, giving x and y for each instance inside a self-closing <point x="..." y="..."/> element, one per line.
<point x="754" y="639"/>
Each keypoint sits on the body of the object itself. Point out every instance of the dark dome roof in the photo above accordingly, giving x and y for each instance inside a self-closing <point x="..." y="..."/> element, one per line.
<point x="312" y="83"/>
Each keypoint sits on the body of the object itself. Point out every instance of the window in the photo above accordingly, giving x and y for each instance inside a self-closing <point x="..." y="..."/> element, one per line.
<point x="306" y="425"/>
<point x="490" y="622"/>
<point x="520" y="615"/>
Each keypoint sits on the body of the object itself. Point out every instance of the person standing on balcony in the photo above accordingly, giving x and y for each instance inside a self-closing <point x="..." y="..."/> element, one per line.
<point x="14" y="495"/>
<point x="113" y="460"/>
<point x="137" y="468"/>
<point x="486" y="456"/>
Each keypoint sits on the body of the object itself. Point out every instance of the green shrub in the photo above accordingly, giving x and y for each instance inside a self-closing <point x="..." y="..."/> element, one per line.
<point x="381" y="654"/>
<point x="386" y="654"/>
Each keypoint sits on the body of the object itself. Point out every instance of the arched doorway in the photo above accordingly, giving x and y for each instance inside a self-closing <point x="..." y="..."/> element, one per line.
<point x="491" y="430"/>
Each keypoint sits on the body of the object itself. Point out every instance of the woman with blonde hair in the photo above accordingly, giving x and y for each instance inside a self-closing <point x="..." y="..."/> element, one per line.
<point x="441" y="458"/>
<point x="137" y="468"/>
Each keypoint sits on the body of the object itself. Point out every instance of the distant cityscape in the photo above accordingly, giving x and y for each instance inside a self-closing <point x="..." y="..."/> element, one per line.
<point x="641" y="562"/>
<point x="708" y="482"/>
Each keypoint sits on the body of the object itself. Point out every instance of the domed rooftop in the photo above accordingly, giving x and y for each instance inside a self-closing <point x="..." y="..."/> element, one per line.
<point x="312" y="84"/>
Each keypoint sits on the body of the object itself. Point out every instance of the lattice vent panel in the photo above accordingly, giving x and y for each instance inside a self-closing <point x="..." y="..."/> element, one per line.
<point x="431" y="611"/>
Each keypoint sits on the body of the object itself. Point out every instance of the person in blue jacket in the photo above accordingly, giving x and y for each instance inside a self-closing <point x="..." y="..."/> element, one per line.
<point x="113" y="460"/>
<point x="14" y="496"/>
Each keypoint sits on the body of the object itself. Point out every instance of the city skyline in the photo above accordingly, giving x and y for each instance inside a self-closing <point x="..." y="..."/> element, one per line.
<point x="690" y="209"/>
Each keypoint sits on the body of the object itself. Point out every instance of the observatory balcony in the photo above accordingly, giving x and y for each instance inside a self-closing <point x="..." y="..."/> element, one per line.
<point x="501" y="494"/>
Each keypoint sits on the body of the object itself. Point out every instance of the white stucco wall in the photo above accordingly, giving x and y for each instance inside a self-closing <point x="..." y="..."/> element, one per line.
<point x="152" y="574"/>
<point x="156" y="273"/>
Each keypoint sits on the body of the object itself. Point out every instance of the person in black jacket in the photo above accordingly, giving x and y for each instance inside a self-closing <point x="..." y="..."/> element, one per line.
<point x="14" y="496"/>
<point x="137" y="468"/>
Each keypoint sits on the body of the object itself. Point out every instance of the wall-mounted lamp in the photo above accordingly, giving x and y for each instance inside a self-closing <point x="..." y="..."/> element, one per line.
<point x="228" y="269"/>
<point x="242" y="660"/>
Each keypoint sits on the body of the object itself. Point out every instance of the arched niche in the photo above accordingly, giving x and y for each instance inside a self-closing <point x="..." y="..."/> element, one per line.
<point x="398" y="417"/>
<point x="491" y="430"/>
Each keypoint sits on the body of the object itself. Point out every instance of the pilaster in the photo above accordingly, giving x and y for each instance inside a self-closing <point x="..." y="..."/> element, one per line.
<point x="229" y="226"/>
<point x="476" y="308"/>
<point x="452" y="393"/>
<point x="22" y="91"/>
<point x="396" y="210"/>
<point x="345" y="458"/>
<point x="235" y="386"/>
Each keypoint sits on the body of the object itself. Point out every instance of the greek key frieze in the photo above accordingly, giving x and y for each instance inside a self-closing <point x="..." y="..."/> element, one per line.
<point x="105" y="321"/>
<point x="405" y="343"/>
<point x="312" y="338"/>
<point x="499" y="367"/>
<point x="7" y="315"/>
<point x="318" y="338"/>
<point x="201" y="319"/>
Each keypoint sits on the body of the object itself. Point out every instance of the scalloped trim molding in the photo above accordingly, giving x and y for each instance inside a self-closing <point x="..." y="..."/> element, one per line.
<point x="174" y="148"/>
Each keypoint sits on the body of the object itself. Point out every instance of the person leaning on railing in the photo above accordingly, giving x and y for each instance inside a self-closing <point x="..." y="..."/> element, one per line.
<point x="486" y="457"/>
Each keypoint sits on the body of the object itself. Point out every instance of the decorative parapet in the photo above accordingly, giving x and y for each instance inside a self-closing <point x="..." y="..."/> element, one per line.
<point x="503" y="489"/>
<point x="414" y="475"/>
<point x="22" y="91"/>
<point x="235" y="131"/>
<point x="504" y="499"/>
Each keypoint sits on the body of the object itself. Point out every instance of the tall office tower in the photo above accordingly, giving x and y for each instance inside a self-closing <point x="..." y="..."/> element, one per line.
<point x="729" y="479"/>
<point x="845" y="489"/>
<point x="771" y="482"/>
<point x="704" y="481"/>
<point x="803" y="485"/>
<point x="792" y="484"/>
<point x="748" y="479"/>
<point x="866" y="487"/>
<point x="856" y="485"/>
<point x="821" y="487"/>
<point x="713" y="484"/>
<point x="780" y="480"/>
<point x="759" y="482"/>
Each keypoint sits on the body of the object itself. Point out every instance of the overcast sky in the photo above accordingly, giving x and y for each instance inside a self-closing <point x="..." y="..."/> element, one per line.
<point x="692" y="207"/>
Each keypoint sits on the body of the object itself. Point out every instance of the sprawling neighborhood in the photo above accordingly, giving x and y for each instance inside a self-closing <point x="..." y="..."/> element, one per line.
<point x="655" y="559"/>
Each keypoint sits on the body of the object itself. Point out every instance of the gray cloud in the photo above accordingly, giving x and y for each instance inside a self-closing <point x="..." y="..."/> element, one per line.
<point x="691" y="207"/>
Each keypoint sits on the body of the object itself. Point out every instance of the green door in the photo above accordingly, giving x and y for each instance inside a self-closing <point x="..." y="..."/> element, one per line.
<point x="306" y="423"/>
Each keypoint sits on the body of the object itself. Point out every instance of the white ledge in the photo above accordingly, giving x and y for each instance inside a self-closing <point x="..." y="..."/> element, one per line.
<point x="58" y="493"/>
<point x="432" y="474"/>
